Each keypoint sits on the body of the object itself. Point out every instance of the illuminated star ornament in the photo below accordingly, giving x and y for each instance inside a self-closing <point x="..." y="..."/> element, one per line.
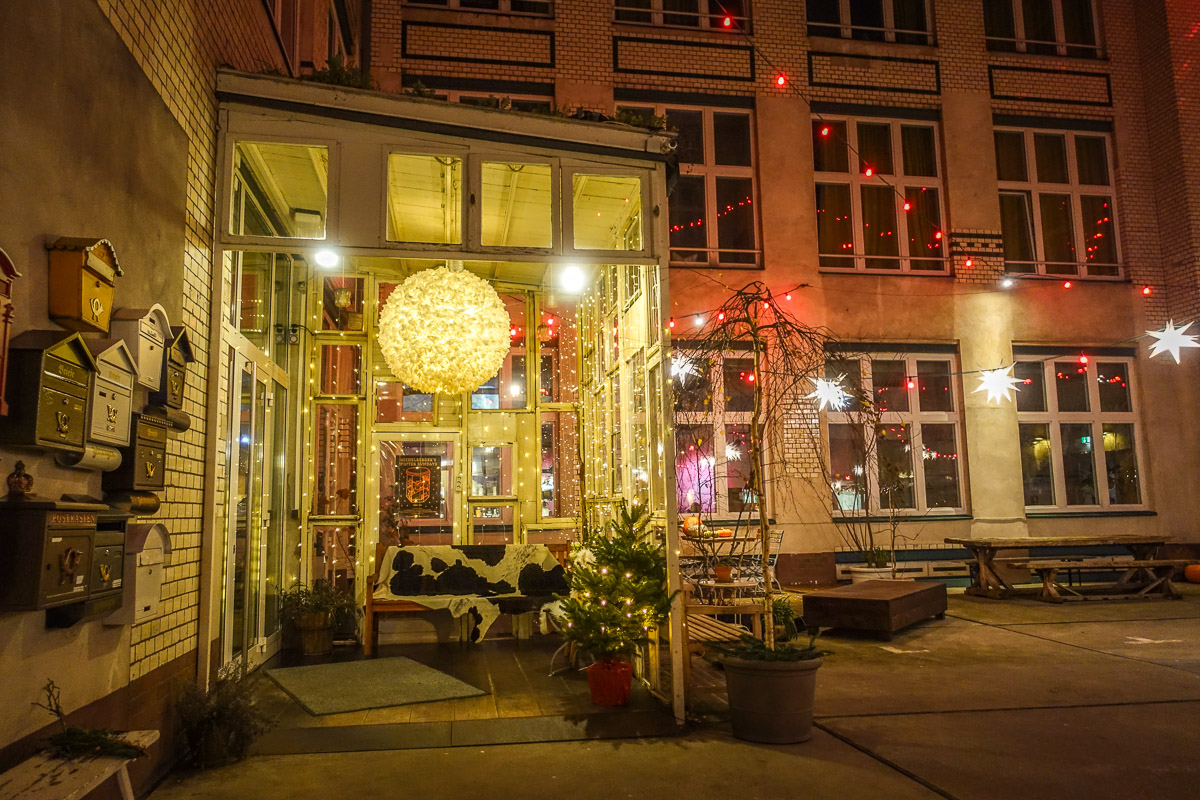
<point x="829" y="393"/>
<point x="1171" y="340"/>
<point x="998" y="383"/>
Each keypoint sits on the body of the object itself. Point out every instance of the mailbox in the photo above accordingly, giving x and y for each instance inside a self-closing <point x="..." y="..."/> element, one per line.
<point x="112" y="392"/>
<point x="146" y="331"/>
<point x="83" y="276"/>
<point x="8" y="272"/>
<point x="143" y="463"/>
<point x="51" y="383"/>
<point x="174" y="373"/>
<point x="49" y="552"/>
<point x="146" y="549"/>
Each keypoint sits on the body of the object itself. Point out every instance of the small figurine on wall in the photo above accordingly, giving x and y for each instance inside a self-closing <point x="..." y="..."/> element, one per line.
<point x="20" y="482"/>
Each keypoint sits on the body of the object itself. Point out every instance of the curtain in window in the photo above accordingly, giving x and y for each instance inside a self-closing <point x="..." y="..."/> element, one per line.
<point x="1058" y="233"/>
<point x="1017" y="226"/>
<point x="999" y="26"/>
<point x="835" y="225"/>
<point x="919" y="151"/>
<point x="909" y="15"/>
<point x="924" y="225"/>
<point x="879" y="227"/>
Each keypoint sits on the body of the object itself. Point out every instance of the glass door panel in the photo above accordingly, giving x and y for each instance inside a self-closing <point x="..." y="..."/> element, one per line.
<point x="420" y="490"/>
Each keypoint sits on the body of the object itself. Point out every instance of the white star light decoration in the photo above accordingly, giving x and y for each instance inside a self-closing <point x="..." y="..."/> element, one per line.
<point x="829" y="393"/>
<point x="1171" y="340"/>
<point x="998" y="383"/>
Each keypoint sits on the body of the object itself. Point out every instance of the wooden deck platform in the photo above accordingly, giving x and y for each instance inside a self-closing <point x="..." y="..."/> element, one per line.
<point x="882" y="607"/>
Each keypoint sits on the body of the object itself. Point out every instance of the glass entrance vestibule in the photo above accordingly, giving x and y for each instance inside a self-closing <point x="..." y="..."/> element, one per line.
<point x="561" y="218"/>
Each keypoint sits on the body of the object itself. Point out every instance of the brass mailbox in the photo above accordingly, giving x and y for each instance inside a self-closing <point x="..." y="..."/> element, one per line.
<point x="144" y="462"/>
<point x="49" y="551"/>
<point x="174" y="374"/>
<point x="8" y="271"/>
<point x="83" y="276"/>
<point x="146" y="331"/>
<point x="48" y="395"/>
<point x="112" y="392"/>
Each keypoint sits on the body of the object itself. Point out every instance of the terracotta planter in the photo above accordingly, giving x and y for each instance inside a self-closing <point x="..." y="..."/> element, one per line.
<point x="771" y="701"/>
<point x="723" y="574"/>
<point x="316" y="633"/>
<point x="610" y="682"/>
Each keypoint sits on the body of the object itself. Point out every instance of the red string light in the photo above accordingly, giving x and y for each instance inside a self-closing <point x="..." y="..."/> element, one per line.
<point x="1067" y="284"/>
<point x="1083" y="359"/>
<point x="781" y="80"/>
<point x="671" y="322"/>
<point x="1146" y="290"/>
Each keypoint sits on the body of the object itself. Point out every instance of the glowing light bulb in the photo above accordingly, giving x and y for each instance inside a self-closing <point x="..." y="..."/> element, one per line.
<point x="869" y="172"/>
<point x="825" y="131"/>
<point x="573" y="279"/>
<point x="327" y="259"/>
<point x="1067" y="284"/>
<point x="1146" y="290"/>
<point x="781" y="80"/>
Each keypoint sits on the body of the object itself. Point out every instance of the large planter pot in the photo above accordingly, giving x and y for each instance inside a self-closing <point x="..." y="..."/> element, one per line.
<point x="316" y="633"/>
<point x="610" y="682"/>
<point x="771" y="701"/>
<point x="864" y="574"/>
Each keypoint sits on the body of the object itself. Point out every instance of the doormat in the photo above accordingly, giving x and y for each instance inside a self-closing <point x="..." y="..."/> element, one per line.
<point x="375" y="683"/>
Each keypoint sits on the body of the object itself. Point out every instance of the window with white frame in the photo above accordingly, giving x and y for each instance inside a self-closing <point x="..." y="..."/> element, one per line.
<point x="714" y="15"/>
<point x="712" y="207"/>
<point x="537" y="7"/>
<point x="713" y="411"/>
<point x="1044" y="27"/>
<point x="879" y="195"/>
<point x="899" y="452"/>
<point x="900" y="21"/>
<point x="1056" y="203"/>
<point x="1078" y="433"/>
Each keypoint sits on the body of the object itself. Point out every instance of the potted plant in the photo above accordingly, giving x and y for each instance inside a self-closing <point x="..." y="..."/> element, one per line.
<point x="723" y="567"/>
<point x="618" y="595"/>
<point x="221" y="722"/>
<point x="314" y="612"/>
<point x="771" y="690"/>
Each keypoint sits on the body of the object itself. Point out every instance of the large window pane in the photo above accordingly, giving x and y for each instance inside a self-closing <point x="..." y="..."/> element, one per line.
<point x="424" y="198"/>
<point x="924" y="217"/>
<point x="1079" y="464"/>
<point x="998" y="23"/>
<point x="939" y="456"/>
<point x="560" y="464"/>
<point x="342" y="303"/>
<point x="738" y="470"/>
<point x="1091" y="156"/>
<point x="875" y="147"/>
<point x="918" y="149"/>
<point x="693" y="389"/>
<point x="1031" y="394"/>
<point x="283" y="186"/>
<point x="1050" y="154"/>
<point x="1079" y="27"/>
<point x="395" y="402"/>
<point x="1036" y="470"/>
<point x="823" y="11"/>
<point x="933" y="386"/>
<point x="847" y="478"/>
<point x="689" y="141"/>
<point x="517" y="203"/>
<point x="735" y="219"/>
<point x="694" y="465"/>
<point x="607" y="212"/>
<point x="739" y="377"/>
<point x="1010" y="156"/>
<point x="1039" y="26"/>
<point x="891" y="385"/>
<point x="1099" y="233"/>
<point x="688" y="209"/>
<point x="830" y="153"/>
<point x="508" y="388"/>
<point x="1113" y="378"/>
<point x="1058" y="233"/>
<point x="558" y="337"/>
<point x="1071" y="385"/>
<point x="835" y="225"/>
<point x="341" y="369"/>
<point x="893" y="449"/>
<point x="867" y="17"/>
<point x="1120" y="462"/>
<point x="335" y="456"/>
<point x="1016" y="223"/>
<point x="879" y="226"/>
<point x="909" y="15"/>
<point x="731" y="139"/>
<point x="688" y="15"/>
<point x="491" y="471"/>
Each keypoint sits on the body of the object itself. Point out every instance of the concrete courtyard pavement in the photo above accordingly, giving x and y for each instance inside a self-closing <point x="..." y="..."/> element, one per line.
<point x="1002" y="699"/>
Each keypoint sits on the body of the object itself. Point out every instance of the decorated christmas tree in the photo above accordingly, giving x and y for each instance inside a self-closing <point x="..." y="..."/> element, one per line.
<point x="618" y="588"/>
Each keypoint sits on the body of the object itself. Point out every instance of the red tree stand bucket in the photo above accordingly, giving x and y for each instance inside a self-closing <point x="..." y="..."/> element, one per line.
<point x="609" y="681"/>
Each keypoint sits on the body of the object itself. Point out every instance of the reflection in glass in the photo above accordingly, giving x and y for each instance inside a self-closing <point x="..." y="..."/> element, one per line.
<point x="694" y="463"/>
<point x="493" y="523"/>
<point x="738" y="375"/>
<point x="507" y="389"/>
<point x="1071" y="385"/>
<point x="558" y="338"/>
<point x="1079" y="464"/>
<point x="1113" y="378"/>
<point x="334" y="458"/>
<point x="1036" y="470"/>
<point x="491" y="471"/>
<point x="334" y="554"/>
<point x="560" y="464"/>
<point x="847" y="478"/>
<point x="835" y="225"/>
<point x="939" y="455"/>
<point x="893" y="448"/>
<point x="1120" y="462"/>
<point x="396" y="402"/>
<point x="933" y="386"/>
<point x="416" y="485"/>
<point x="341" y="366"/>
<point x="739" y="469"/>
<point x="283" y="186"/>
<point x="1031" y="394"/>
<point x="891" y="385"/>
<point x="424" y="198"/>
<point x="342" y="304"/>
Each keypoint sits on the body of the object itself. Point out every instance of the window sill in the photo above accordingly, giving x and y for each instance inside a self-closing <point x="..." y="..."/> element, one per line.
<point x="910" y="517"/>
<point x="862" y="47"/>
<point x="1133" y="512"/>
<point x="885" y="273"/>
<point x="1080" y="276"/>
<point x="716" y="34"/>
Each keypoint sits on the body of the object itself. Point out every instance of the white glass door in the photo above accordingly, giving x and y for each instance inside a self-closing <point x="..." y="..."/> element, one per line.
<point x="418" y="482"/>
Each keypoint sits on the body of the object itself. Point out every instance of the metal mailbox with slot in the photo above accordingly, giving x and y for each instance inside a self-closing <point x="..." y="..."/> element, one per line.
<point x="146" y="549"/>
<point x="146" y="331"/>
<point x="143" y="462"/>
<point x="174" y="371"/>
<point x="83" y="277"/>
<point x="49" y="392"/>
<point x="49" y="552"/>
<point x="112" y="394"/>
<point x="8" y="272"/>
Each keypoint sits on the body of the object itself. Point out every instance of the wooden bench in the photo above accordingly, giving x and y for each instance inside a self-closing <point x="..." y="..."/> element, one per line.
<point x="882" y="606"/>
<point x="376" y="608"/>
<point x="44" y="777"/>
<point x="1140" y="579"/>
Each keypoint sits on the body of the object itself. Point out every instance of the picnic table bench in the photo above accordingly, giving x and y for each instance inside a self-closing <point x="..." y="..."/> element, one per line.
<point x="987" y="581"/>
<point x="1141" y="578"/>
<point x="45" y="777"/>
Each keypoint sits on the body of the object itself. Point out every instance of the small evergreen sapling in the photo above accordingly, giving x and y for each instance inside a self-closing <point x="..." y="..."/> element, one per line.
<point x="620" y="594"/>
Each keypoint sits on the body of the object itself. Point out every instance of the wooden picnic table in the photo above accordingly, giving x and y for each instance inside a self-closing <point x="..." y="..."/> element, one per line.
<point x="44" y="777"/>
<point x="987" y="582"/>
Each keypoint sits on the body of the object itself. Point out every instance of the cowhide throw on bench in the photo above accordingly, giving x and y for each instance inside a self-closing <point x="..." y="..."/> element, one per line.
<point x="484" y="580"/>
